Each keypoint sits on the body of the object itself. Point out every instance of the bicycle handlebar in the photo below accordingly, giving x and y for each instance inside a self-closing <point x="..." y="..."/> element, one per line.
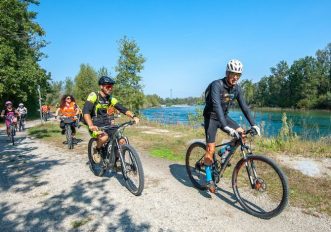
<point x="129" y="123"/>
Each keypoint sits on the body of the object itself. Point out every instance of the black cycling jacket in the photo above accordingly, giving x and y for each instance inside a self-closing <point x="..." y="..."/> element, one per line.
<point x="219" y="97"/>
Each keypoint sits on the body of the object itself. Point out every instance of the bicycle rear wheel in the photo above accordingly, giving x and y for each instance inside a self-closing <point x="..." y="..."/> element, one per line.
<point x="133" y="170"/>
<point x="95" y="158"/>
<point x="194" y="164"/>
<point x="69" y="136"/>
<point x="267" y="195"/>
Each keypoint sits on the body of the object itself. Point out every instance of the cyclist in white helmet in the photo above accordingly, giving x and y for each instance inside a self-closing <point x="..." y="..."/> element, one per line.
<point x="220" y="95"/>
<point x="22" y="112"/>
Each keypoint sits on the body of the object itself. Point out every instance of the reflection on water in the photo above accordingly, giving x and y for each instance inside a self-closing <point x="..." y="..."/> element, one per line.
<point x="307" y="124"/>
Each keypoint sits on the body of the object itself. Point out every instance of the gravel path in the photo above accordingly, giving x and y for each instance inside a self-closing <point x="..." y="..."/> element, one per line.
<point x="46" y="188"/>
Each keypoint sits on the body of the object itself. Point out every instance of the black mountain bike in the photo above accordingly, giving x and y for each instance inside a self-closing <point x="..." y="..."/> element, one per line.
<point x="68" y="122"/>
<point x="259" y="184"/>
<point x="118" y="153"/>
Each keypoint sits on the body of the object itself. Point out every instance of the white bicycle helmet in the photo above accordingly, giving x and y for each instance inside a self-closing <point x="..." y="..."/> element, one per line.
<point x="234" y="66"/>
<point x="21" y="104"/>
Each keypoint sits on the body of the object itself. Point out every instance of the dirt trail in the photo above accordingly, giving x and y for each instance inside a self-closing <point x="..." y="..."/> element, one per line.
<point x="46" y="188"/>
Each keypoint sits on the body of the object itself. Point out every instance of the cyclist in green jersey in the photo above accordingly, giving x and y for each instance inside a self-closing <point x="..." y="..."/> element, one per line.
<point x="96" y="107"/>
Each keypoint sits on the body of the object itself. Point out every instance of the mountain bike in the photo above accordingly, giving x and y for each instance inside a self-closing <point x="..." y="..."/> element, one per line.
<point x="68" y="122"/>
<point x="21" y="122"/>
<point x="259" y="184"/>
<point x="12" y="129"/>
<point x="117" y="153"/>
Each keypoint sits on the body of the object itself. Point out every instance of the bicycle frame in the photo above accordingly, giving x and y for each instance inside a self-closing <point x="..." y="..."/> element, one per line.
<point x="115" y="144"/>
<point x="245" y="149"/>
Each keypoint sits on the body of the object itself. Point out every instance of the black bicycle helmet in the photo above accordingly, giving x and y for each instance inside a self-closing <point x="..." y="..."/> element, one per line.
<point x="104" y="80"/>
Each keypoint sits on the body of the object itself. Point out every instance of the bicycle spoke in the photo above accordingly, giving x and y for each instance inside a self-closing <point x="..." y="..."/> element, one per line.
<point x="265" y="194"/>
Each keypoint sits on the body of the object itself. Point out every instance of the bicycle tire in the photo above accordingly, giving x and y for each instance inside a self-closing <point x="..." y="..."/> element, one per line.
<point x="69" y="136"/>
<point x="132" y="166"/>
<point x="95" y="167"/>
<point x="268" y="204"/>
<point x="12" y="134"/>
<point x="194" y="154"/>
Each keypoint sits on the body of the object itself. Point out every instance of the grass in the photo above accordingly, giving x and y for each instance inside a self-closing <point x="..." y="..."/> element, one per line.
<point x="48" y="130"/>
<point x="313" y="149"/>
<point x="165" y="153"/>
<point x="78" y="223"/>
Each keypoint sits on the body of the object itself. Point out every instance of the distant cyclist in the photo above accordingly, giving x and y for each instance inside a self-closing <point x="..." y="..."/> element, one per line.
<point x="45" y="110"/>
<point x="96" y="107"/>
<point x="220" y="95"/>
<point x="10" y="113"/>
<point x="22" y="111"/>
<point x="68" y="108"/>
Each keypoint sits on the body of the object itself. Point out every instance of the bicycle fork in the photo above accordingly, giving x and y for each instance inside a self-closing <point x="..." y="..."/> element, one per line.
<point x="251" y="170"/>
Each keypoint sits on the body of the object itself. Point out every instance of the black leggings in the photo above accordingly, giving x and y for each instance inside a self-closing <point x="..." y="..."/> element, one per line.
<point x="72" y="125"/>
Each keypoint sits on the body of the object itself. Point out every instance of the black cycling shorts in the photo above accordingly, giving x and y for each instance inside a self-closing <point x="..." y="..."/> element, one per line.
<point x="211" y="126"/>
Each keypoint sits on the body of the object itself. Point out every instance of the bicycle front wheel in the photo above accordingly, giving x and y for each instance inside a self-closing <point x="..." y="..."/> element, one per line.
<point x="260" y="186"/>
<point x="12" y="134"/>
<point x="69" y="136"/>
<point x="132" y="170"/>
<point x="195" y="164"/>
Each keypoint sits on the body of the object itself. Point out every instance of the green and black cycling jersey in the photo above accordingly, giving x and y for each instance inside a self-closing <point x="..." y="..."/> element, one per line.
<point x="219" y="97"/>
<point x="97" y="105"/>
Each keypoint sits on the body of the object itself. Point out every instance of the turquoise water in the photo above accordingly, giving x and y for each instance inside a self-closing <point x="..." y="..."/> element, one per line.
<point x="307" y="124"/>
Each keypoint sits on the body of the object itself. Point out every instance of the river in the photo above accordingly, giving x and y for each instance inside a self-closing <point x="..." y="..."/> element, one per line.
<point x="306" y="124"/>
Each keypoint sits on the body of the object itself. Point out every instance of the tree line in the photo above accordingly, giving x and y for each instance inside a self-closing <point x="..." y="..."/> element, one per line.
<point x="306" y="84"/>
<point x="21" y="41"/>
<point x="155" y="101"/>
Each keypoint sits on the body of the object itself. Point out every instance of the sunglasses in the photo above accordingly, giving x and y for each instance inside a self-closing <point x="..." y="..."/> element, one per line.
<point x="108" y="86"/>
<point x="233" y="74"/>
<point x="68" y="98"/>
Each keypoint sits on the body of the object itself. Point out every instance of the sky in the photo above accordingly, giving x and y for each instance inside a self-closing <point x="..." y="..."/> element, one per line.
<point x="186" y="43"/>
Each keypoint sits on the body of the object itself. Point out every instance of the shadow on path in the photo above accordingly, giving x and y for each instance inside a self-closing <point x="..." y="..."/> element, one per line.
<point x="179" y="172"/>
<point x="20" y="166"/>
<point x="85" y="201"/>
<point x="84" y="205"/>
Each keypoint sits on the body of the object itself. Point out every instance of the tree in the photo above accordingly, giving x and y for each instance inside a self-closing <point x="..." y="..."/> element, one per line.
<point x="86" y="82"/>
<point x="248" y="90"/>
<point x="20" y="44"/>
<point x="324" y="75"/>
<point x="262" y="92"/>
<point x="128" y="82"/>
<point x="103" y="71"/>
<point x="277" y="82"/>
<point x="55" y="93"/>
<point x="69" y="86"/>
<point x="303" y="83"/>
<point x="152" y="101"/>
